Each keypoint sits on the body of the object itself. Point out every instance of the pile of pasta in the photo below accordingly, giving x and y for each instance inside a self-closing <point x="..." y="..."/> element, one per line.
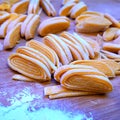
<point x="72" y="60"/>
<point x="81" y="65"/>
<point x="16" y="26"/>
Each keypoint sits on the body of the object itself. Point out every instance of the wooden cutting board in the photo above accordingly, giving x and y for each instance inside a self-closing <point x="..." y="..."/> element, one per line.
<point x="26" y="101"/>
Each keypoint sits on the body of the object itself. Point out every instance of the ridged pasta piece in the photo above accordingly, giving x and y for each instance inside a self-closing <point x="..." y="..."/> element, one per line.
<point x="63" y="46"/>
<point x="29" y="67"/>
<point x="32" y="27"/>
<point x="71" y="37"/>
<point x="48" y="7"/>
<point x="51" y="42"/>
<point x="86" y="44"/>
<point x="25" y="24"/>
<point x="48" y="52"/>
<point x="76" y="50"/>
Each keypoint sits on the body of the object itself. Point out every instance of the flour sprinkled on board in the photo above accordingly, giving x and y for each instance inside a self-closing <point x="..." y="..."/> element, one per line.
<point x="21" y="103"/>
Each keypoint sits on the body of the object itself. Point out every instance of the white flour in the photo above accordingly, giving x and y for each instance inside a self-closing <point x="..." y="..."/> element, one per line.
<point x="19" y="110"/>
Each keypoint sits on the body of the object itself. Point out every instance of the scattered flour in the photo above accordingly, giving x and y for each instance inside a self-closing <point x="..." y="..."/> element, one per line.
<point x="19" y="110"/>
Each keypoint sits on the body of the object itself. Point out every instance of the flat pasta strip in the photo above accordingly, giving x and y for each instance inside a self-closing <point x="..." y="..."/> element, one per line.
<point x="20" y="7"/>
<point x="29" y="67"/>
<point x="20" y="77"/>
<point x="58" y="91"/>
<point x="12" y="37"/>
<point x="101" y="66"/>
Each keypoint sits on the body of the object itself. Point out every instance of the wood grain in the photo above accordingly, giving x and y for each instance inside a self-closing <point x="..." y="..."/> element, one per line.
<point x="97" y="107"/>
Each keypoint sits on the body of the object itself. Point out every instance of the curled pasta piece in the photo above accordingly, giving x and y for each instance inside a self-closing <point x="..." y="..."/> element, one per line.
<point x="29" y="67"/>
<point x="37" y="55"/>
<point x="53" y="25"/>
<point x="61" y="70"/>
<point x="75" y="80"/>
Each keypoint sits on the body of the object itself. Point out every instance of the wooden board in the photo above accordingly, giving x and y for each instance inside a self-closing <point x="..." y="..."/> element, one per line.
<point x="26" y="101"/>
